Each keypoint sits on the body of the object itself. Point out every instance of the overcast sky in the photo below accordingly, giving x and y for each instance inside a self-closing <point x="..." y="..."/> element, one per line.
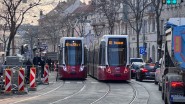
<point x="46" y="5"/>
<point x="86" y="1"/>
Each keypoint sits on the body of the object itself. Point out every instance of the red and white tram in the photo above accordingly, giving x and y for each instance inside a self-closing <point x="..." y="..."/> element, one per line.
<point x="109" y="58"/>
<point x="71" y="58"/>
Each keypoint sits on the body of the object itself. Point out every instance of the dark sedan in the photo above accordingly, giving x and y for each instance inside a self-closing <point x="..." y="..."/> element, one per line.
<point x="134" y="66"/>
<point x="146" y="71"/>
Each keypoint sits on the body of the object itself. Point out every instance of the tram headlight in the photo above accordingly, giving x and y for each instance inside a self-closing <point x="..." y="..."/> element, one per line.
<point x="64" y="68"/>
<point x="81" y="68"/>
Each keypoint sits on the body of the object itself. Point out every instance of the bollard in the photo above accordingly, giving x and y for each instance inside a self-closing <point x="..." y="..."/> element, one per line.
<point x="33" y="79"/>
<point x="21" y="80"/>
<point x="46" y="74"/>
<point x="8" y="83"/>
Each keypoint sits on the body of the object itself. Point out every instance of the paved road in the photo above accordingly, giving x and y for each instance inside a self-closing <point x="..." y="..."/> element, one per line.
<point x="155" y="95"/>
<point x="88" y="91"/>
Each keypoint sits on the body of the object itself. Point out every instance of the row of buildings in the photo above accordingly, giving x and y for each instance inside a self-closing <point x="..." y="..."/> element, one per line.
<point x="75" y="18"/>
<point x="28" y="31"/>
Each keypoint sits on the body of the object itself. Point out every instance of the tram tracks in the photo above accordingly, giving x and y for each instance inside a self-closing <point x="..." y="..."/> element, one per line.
<point x="33" y="97"/>
<point x="135" y="91"/>
<point x="77" y="92"/>
<point x="107" y="92"/>
<point x="146" y="90"/>
<point x="70" y="96"/>
<point x="134" y="96"/>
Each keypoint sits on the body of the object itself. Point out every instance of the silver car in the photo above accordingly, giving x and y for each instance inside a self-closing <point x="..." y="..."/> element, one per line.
<point x="157" y="73"/>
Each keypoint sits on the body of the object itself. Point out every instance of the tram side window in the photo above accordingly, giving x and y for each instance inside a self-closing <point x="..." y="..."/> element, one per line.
<point x="90" y="57"/>
<point x="85" y="55"/>
<point x="102" y="54"/>
<point x="96" y="56"/>
<point x="61" y="56"/>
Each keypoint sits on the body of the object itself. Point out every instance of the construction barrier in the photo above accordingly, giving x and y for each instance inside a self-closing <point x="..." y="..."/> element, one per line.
<point x="21" y="80"/>
<point x="32" y="78"/>
<point x="8" y="79"/>
<point x="46" y="74"/>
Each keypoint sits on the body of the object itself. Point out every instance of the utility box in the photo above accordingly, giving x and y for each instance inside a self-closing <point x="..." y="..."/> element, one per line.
<point x="14" y="60"/>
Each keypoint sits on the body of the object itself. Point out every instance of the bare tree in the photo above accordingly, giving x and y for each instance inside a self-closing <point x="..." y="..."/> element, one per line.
<point x="109" y="8"/>
<point x="80" y="17"/>
<point x="14" y="16"/>
<point x="51" y="29"/>
<point x="4" y="38"/>
<point x="157" y="4"/>
<point x="52" y="26"/>
<point x="136" y="11"/>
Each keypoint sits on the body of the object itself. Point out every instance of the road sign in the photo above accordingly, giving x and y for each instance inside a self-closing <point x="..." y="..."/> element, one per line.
<point x="142" y="50"/>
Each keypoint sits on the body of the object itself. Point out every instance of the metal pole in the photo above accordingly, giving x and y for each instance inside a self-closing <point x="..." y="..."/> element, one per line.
<point x="73" y="31"/>
<point x="31" y="45"/>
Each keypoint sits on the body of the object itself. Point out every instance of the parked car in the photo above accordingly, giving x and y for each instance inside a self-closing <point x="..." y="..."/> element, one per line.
<point x="146" y="71"/>
<point x="136" y="60"/>
<point x="157" y="72"/>
<point x="133" y="68"/>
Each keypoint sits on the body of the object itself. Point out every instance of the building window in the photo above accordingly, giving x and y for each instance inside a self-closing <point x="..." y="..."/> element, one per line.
<point x="153" y="25"/>
<point x="149" y="25"/>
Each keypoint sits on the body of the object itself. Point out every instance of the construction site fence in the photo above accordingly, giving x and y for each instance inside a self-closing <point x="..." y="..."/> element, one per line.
<point x="14" y="78"/>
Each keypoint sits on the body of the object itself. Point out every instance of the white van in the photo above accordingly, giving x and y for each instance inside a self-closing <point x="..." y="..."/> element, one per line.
<point x="136" y="60"/>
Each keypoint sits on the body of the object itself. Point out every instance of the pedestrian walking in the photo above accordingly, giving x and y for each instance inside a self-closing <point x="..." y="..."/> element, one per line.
<point x="28" y="66"/>
<point x="42" y="63"/>
<point x="36" y="60"/>
<point x="49" y="63"/>
<point x="150" y="60"/>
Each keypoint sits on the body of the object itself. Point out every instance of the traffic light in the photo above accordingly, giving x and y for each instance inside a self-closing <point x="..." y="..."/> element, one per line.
<point x="169" y="2"/>
<point x="174" y="1"/>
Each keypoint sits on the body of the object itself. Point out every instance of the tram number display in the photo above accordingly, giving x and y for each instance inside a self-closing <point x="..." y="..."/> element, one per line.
<point x="116" y="43"/>
<point x="72" y="44"/>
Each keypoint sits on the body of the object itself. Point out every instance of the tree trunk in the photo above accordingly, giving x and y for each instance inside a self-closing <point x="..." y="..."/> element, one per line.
<point x="12" y="34"/>
<point x="4" y="48"/>
<point x="137" y="33"/>
<point x="111" y="29"/>
<point x="8" y="46"/>
<point x="159" y="38"/>
<point x="54" y="47"/>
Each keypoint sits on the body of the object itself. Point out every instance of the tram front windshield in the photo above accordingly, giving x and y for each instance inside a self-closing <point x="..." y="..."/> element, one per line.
<point x="73" y="52"/>
<point x="117" y="51"/>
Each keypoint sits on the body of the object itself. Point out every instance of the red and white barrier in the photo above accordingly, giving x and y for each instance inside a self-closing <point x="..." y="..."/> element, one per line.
<point x="8" y="79"/>
<point x="46" y="74"/>
<point x="21" y="79"/>
<point x="32" y="78"/>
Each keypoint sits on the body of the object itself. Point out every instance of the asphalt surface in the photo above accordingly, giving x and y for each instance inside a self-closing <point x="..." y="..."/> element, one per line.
<point x="89" y="91"/>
